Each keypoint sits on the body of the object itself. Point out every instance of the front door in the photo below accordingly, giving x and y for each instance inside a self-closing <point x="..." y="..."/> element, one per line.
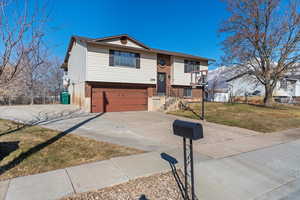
<point x="161" y="83"/>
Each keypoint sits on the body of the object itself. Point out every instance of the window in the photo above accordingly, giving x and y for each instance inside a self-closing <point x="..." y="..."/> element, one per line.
<point x="283" y="84"/>
<point x="191" y="66"/>
<point x="162" y="62"/>
<point x="123" y="58"/>
<point x="187" y="92"/>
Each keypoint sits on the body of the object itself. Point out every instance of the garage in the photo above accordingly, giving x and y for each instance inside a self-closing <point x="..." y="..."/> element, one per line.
<point x="119" y="99"/>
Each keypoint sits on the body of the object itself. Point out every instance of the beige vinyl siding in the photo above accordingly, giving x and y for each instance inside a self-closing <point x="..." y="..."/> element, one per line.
<point x="77" y="73"/>
<point x="98" y="68"/>
<point x="129" y="43"/>
<point x="179" y="77"/>
<point x="77" y="63"/>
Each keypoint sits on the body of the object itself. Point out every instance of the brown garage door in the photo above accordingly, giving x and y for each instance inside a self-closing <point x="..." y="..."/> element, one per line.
<point x="119" y="99"/>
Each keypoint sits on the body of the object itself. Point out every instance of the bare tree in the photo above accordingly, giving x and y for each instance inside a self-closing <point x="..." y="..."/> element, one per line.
<point x="16" y="87"/>
<point x="54" y="78"/>
<point x="21" y="36"/>
<point x="262" y="39"/>
<point x="36" y="68"/>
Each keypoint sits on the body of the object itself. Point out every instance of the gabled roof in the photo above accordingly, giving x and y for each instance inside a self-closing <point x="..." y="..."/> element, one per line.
<point x="103" y="41"/>
<point x="293" y="77"/>
<point x="237" y="76"/>
<point x="121" y="36"/>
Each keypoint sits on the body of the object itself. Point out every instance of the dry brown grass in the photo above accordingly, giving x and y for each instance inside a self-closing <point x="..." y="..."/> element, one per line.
<point x="257" y="100"/>
<point x="67" y="151"/>
<point x="253" y="117"/>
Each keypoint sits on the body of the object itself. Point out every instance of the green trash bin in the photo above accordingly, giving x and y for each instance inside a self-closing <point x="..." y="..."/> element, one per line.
<point x="64" y="98"/>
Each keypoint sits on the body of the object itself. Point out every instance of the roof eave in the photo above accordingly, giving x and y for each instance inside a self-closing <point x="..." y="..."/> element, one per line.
<point x="150" y="50"/>
<point x="146" y="48"/>
<point x="183" y="55"/>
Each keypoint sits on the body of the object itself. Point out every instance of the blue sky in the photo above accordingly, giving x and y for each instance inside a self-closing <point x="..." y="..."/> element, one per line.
<point x="185" y="26"/>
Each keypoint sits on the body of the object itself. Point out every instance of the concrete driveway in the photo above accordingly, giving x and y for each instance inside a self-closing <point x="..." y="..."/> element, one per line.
<point x="142" y="129"/>
<point x="150" y="131"/>
<point x="247" y="164"/>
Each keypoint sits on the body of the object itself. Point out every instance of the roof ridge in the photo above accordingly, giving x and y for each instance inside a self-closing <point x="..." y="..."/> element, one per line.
<point x="112" y="36"/>
<point x="123" y="35"/>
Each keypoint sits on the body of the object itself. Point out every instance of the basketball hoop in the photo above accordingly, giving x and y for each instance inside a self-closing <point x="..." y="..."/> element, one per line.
<point x="203" y="81"/>
<point x="199" y="78"/>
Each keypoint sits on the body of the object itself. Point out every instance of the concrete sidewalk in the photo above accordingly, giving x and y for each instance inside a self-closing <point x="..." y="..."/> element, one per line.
<point x="268" y="173"/>
<point x="82" y="178"/>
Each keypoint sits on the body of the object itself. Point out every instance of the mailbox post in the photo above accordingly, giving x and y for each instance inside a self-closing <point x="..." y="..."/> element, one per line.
<point x="191" y="131"/>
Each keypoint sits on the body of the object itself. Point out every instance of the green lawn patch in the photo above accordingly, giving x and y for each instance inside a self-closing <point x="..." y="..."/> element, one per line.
<point x="253" y="117"/>
<point x="40" y="149"/>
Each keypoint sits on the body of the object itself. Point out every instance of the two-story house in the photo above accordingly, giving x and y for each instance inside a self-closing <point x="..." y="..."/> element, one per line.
<point x="119" y="73"/>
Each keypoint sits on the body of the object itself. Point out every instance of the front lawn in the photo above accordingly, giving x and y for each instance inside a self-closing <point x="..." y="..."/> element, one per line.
<point x="253" y="117"/>
<point x="31" y="150"/>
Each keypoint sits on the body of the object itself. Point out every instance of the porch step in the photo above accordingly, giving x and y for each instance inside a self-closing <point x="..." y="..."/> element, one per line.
<point x="171" y="103"/>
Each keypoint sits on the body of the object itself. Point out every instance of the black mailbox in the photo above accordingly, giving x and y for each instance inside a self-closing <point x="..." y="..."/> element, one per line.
<point x="168" y="158"/>
<point x="190" y="130"/>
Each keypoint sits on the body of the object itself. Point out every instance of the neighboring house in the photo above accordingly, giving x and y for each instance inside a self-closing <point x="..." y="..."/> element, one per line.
<point x="217" y="89"/>
<point x="229" y="85"/>
<point x="218" y="95"/>
<point x="288" y="89"/>
<point x="119" y="73"/>
<point x="244" y="85"/>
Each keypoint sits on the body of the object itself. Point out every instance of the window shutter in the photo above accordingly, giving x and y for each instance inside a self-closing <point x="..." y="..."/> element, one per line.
<point x="138" y="63"/>
<point x="185" y="66"/>
<point x="111" y="57"/>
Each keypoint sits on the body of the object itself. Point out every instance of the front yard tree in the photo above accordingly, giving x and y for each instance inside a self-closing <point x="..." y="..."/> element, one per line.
<point x="22" y="37"/>
<point x="262" y="39"/>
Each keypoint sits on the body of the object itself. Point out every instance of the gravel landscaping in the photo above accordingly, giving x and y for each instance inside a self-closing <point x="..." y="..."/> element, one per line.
<point x="156" y="187"/>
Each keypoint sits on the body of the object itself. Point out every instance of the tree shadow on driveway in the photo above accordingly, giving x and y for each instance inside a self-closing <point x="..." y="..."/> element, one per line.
<point x="41" y="146"/>
<point x="44" y="118"/>
<point x="9" y="131"/>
